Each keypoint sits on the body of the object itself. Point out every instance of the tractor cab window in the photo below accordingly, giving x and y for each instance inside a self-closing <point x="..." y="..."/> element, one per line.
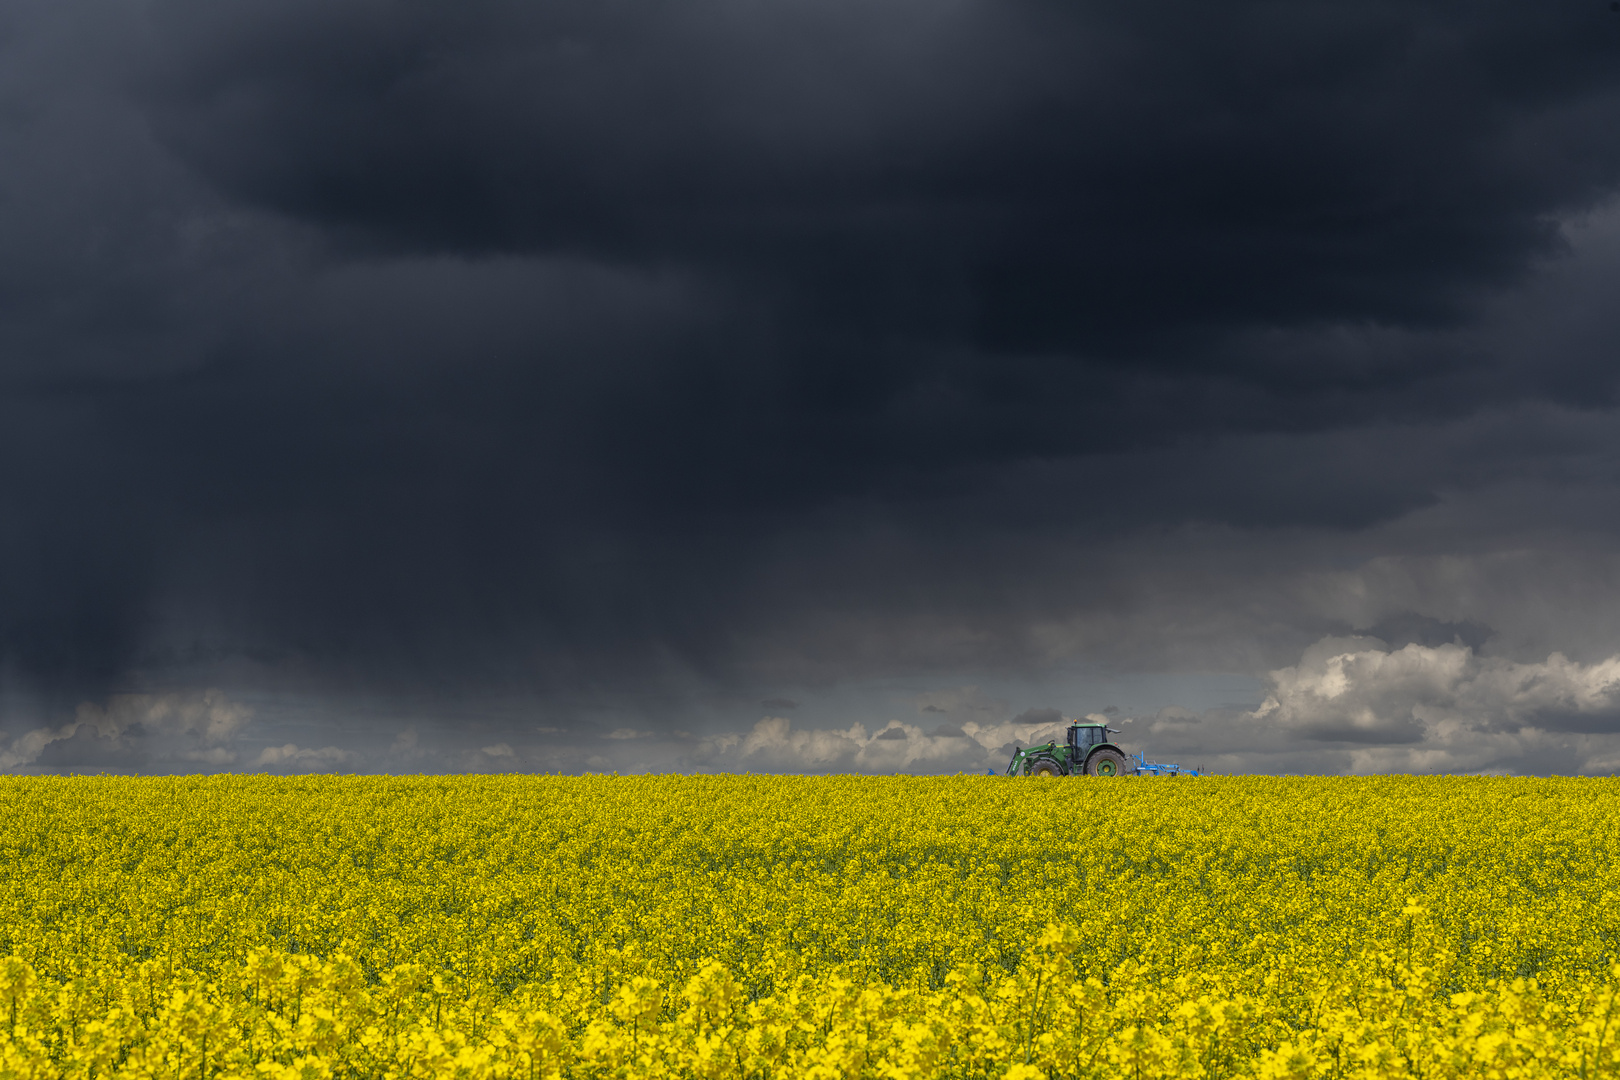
<point x="1085" y="736"/>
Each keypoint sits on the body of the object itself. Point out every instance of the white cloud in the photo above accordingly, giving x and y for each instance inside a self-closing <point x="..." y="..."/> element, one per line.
<point x="25" y="749"/>
<point x="1354" y="690"/>
<point x="1354" y="705"/>
<point x="210" y="715"/>
<point x="775" y="745"/>
<point x="293" y="757"/>
<point x="192" y="727"/>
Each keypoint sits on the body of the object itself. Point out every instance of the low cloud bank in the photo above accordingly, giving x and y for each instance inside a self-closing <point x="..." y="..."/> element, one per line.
<point x="774" y="745"/>
<point x="171" y="732"/>
<point x="1447" y="708"/>
<point x="1371" y="694"/>
<point x="1351" y="705"/>
<point x="292" y="757"/>
<point x="195" y="731"/>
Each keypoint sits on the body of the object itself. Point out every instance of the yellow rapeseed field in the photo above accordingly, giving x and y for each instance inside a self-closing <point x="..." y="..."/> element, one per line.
<point x="751" y="926"/>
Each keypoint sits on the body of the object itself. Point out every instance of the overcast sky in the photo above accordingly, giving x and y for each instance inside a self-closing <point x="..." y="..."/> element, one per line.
<point x="815" y="385"/>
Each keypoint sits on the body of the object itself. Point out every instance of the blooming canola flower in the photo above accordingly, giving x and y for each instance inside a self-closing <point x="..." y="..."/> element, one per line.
<point x="765" y="926"/>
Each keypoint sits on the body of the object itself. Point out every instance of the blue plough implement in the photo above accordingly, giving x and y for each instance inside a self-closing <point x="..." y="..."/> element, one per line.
<point x="1154" y="768"/>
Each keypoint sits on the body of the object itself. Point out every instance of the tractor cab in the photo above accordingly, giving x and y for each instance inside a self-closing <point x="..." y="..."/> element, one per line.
<point x="1082" y="737"/>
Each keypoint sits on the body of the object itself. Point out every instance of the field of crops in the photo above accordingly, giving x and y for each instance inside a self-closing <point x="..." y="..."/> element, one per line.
<point x="819" y="927"/>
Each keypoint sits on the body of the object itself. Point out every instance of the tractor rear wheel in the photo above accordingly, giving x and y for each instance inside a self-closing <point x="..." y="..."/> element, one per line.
<point x="1106" y="763"/>
<point x="1045" y="768"/>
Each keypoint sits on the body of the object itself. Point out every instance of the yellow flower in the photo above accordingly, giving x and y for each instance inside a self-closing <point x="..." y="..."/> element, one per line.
<point x="963" y="927"/>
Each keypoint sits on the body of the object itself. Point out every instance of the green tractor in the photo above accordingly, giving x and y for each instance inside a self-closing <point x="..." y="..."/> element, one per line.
<point x="1088" y="752"/>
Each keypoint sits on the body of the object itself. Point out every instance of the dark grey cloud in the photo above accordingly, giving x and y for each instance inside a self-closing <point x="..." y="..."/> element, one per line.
<point x="1041" y="716"/>
<point x="1068" y="167"/>
<point x="630" y="364"/>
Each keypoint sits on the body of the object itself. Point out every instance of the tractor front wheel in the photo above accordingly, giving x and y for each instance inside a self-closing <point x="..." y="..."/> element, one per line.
<point x="1106" y="763"/>
<point x="1044" y="769"/>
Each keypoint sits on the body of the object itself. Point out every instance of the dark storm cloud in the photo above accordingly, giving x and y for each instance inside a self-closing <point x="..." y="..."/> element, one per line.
<point x="1039" y="716"/>
<point x="1060" y="176"/>
<point x="1566" y="720"/>
<point x="624" y="353"/>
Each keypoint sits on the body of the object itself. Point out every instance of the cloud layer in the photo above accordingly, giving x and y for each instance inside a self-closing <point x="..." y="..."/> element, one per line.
<point x="1350" y="705"/>
<point x="1353" y="705"/>
<point x="611" y="368"/>
<point x="174" y="731"/>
